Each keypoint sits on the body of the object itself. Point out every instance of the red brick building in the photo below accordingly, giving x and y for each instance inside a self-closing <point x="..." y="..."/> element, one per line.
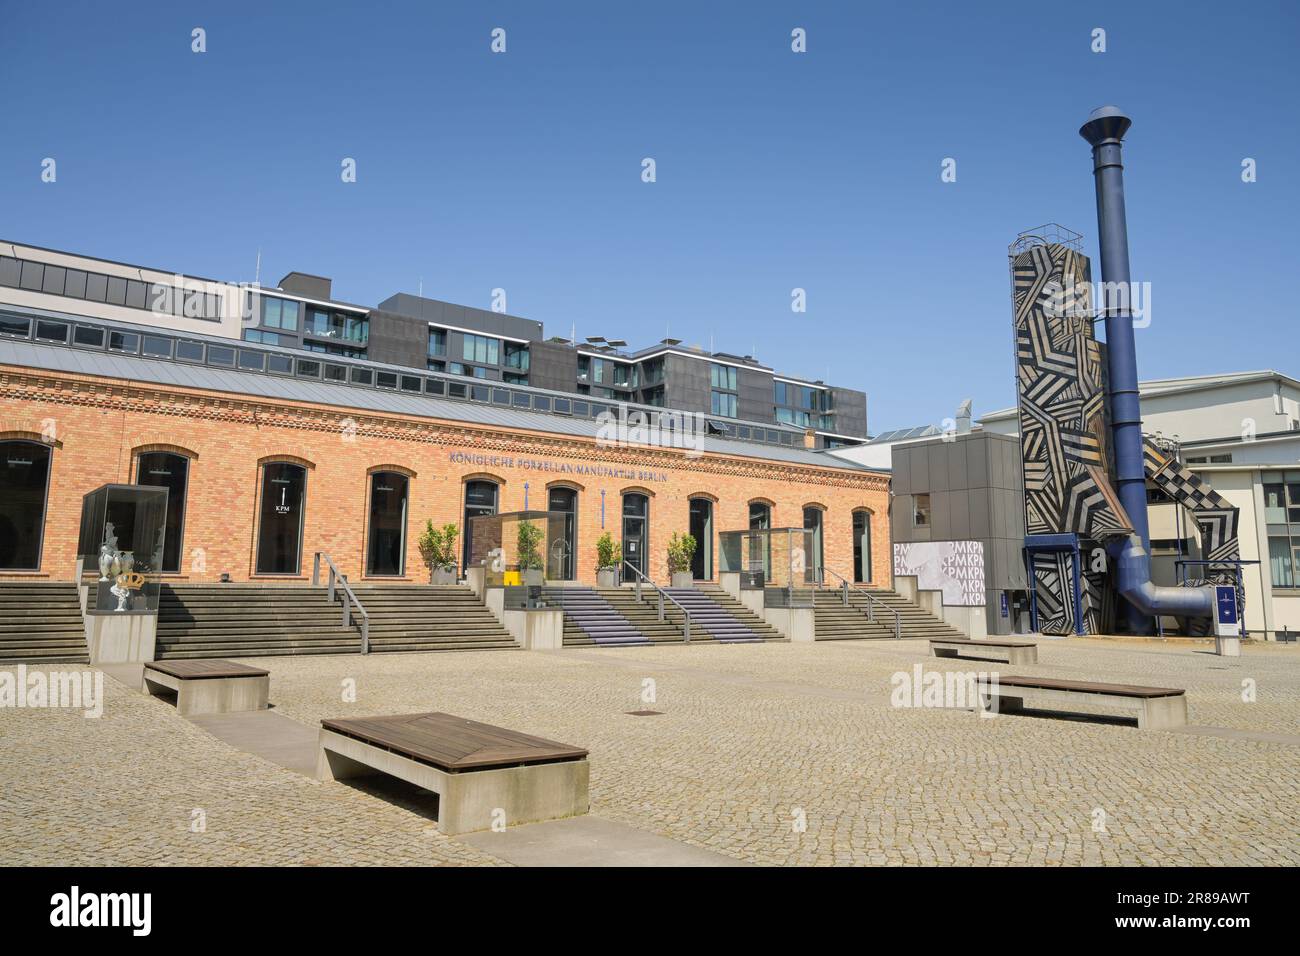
<point x="91" y="416"/>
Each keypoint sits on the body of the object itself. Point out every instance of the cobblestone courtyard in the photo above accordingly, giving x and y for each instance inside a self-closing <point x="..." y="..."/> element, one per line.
<point x="769" y="754"/>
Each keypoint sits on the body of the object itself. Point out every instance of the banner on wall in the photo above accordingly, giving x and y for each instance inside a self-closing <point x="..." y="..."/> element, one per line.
<point x="954" y="567"/>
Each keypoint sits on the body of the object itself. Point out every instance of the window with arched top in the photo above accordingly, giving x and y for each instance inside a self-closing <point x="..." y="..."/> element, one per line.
<point x="280" y="518"/>
<point x="812" y="521"/>
<point x="560" y="560"/>
<point x="862" y="547"/>
<point x="481" y="498"/>
<point x="701" y="529"/>
<point x="636" y="534"/>
<point x="24" y="492"/>
<point x="386" y="527"/>
<point x="760" y="515"/>
<point x="168" y="470"/>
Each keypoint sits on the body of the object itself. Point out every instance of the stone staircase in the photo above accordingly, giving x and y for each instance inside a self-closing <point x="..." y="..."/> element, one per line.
<point x="834" y="621"/>
<point x="40" y="622"/>
<point x="614" y="617"/>
<point x="430" y="617"/>
<point x="250" y="620"/>
<point x="721" y="617"/>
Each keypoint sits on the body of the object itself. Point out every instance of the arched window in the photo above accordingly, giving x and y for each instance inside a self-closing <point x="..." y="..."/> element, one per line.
<point x="812" y="521"/>
<point x="701" y="529"/>
<point x="862" y="547"/>
<point x="760" y="515"/>
<point x="171" y="471"/>
<point x="280" y="518"/>
<point x="560" y="561"/>
<point x="480" y="499"/>
<point x="386" y="538"/>
<point x="24" y="489"/>
<point x="636" y="534"/>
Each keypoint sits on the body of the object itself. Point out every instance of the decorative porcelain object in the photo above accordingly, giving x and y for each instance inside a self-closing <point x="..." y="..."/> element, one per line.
<point x="106" y="556"/>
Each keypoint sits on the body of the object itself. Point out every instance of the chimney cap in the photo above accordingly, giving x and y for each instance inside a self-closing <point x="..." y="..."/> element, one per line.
<point x="1105" y="124"/>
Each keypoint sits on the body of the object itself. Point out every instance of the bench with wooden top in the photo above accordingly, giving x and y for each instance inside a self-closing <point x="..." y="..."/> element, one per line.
<point x="209" y="687"/>
<point x="483" y="775"/>
<point x="1012" y="652"/>
<point x="1157" y="708"/>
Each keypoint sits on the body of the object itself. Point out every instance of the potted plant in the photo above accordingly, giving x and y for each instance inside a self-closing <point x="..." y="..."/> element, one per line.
<point x="438" y="549"/>
<point x="529" y="554"/>
<point x="609" y="555"/>
<point x="681" y="549"/>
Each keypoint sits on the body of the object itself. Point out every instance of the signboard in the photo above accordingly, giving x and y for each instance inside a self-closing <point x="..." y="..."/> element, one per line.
<point x="954" y="567"/>
<point x="1227" y="621"/>
<point x="1004" y="603"/>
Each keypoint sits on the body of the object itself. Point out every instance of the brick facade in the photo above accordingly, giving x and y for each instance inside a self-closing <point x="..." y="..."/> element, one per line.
<point x="98" y="425"/>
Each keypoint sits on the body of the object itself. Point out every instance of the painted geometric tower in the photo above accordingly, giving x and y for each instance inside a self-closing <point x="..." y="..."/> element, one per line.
<point x="1061" y="392"/>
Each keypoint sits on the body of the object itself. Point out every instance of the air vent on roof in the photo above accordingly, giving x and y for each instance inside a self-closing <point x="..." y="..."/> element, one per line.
<point x="670" y="341"/>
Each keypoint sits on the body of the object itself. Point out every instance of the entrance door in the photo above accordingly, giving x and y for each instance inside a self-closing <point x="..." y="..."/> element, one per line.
<point x="564" y="550"/>
<point x="480" y="499"/>
<point x="636" y="534"/>
<point x="24" y="482"/>
<point x="386" y="548"/>
<point x="279" y="530"/>
<point x="701" y="529"/>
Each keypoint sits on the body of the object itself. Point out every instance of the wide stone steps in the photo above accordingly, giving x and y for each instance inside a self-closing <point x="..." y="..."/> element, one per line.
<point x="255" y="621"/>
<point x="834" y="621"/>
<point x="41" y="623"/>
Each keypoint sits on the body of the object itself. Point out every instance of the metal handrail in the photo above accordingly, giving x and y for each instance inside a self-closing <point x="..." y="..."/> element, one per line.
<point x="872" y="601"/>
<point x="686" y="625"/>
<point x="349" y="598"/>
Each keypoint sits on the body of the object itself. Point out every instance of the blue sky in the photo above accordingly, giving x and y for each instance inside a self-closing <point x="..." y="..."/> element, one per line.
<point x="775" y="170"/>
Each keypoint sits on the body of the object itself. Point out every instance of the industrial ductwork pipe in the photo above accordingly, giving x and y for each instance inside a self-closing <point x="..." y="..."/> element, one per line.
<point x="1104" y="130"/>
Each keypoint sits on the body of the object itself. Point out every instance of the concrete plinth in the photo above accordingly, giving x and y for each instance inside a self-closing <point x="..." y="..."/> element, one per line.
<point x="798" y="624"/>
<point x="121" y="638"/>
<point x="468" y="800"/>
<point x="476" y="578"/>
<point x="214" y="695"/>
<point x="536" y="630"/>
<point x="1227" y="646"/>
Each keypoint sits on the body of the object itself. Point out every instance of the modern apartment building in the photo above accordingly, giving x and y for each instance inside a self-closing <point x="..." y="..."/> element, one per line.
<point x="741" y="397"/>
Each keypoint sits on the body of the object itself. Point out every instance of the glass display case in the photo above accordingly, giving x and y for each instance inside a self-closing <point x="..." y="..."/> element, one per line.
<point x="123" y="531"/>
<point x="772" y="560"/>
<point x="519" y="548"/>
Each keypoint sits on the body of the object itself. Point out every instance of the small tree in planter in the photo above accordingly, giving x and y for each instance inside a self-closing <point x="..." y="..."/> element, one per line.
<point x="438" y="549"/>
<point x="609" y="555"/>
<point x="681" y="549"/>
<point x="528" y="538"/>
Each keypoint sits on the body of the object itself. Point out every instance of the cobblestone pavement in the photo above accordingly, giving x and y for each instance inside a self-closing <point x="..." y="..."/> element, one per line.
<point x="780" y="754"/>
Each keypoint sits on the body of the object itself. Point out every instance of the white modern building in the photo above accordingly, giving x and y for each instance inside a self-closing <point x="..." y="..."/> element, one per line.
<point x="1239" y="431"/>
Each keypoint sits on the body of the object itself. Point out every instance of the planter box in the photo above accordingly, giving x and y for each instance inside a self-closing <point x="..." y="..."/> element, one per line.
<point x="442" y="576"/>
<point x="683" y="579"/>
<point x="606" y="577"/>
<point x="533" y="577"/>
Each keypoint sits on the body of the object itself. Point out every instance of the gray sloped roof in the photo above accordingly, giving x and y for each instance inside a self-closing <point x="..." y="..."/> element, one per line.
<point x="133" y="368"/>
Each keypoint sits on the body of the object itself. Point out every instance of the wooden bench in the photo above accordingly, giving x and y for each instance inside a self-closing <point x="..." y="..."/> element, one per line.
<point x="1157" y="708"/>
<point x="483" y="775"/>
<point x="1012" y="652"/>
<point x="209" y="687"/>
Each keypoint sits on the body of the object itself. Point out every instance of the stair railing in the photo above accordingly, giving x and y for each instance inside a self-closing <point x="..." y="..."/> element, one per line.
<point x="686" y="623"/>
<point x="338" y="584"/>
<point x="872" y="601"/>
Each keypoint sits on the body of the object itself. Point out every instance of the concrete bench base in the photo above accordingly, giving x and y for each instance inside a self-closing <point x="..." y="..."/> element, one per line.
<point x="1153" y="713"/>
<point x="468" y="800"/>
<point x="1013" y="653"/>
<point x="215" y="695"/>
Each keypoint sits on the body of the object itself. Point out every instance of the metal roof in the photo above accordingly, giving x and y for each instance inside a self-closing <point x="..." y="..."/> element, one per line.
<point x="138" y="369"/>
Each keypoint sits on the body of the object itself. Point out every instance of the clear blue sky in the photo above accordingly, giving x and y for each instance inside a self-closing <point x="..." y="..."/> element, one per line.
<point x="775" y="170"/>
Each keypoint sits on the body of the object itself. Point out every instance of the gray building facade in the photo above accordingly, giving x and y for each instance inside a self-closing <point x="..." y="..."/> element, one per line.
<point x="968" y="487"/>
